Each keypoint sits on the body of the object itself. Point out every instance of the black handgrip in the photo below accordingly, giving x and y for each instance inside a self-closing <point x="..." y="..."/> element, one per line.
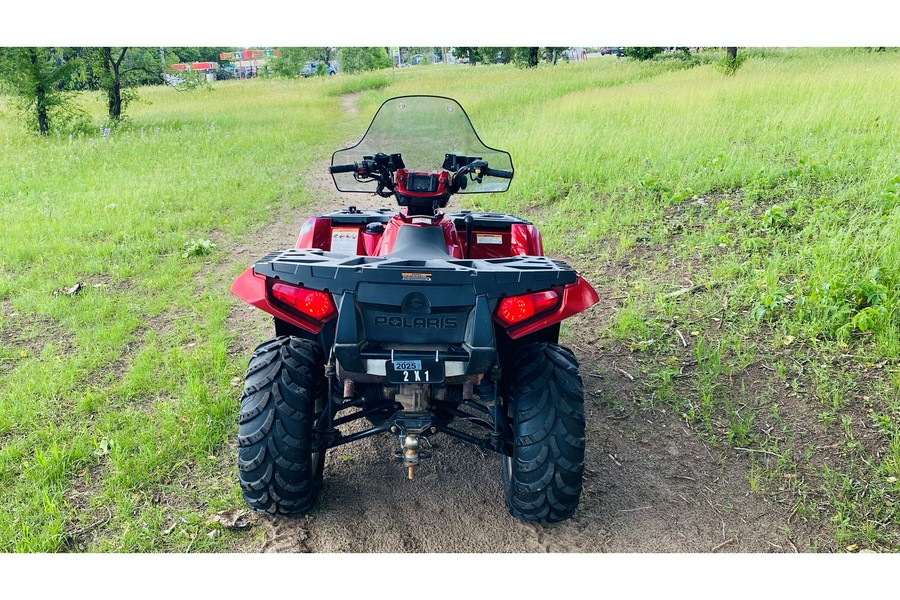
<point x="342" y="169"/>
<point x="498" y="173"/>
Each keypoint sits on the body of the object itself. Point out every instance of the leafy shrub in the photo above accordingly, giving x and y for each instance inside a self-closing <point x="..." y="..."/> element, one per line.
<point x="642" y="53"/>
<point x="885" y="424"/>
<point x="769" y="304"/>
<point x="356" y="59"/>
<point x="198" y="248"/>
<point x="730" y="66"/>
<point x="752" y="244"/>
<point x="867" y="318"/>
<point x="841" y="307"/>
<point x="655" y="188"/>
<point x="776" y="217"/>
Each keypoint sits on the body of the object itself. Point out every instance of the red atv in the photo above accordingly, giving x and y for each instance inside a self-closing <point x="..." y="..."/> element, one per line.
<point x="421" y="322"/>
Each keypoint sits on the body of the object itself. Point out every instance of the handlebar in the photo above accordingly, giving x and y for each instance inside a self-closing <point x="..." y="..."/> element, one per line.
<point x="381" y="166"/>
<point x="498" y="173"/>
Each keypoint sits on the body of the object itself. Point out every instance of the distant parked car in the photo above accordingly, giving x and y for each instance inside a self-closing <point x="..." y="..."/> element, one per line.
<point x="612" y="50"/>
<point x="312" y="68"/>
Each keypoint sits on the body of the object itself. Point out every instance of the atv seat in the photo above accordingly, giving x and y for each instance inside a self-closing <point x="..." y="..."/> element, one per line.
<point x="420" y="243"/>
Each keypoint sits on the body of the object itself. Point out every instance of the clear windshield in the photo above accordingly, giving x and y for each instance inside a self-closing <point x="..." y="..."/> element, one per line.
<point x="423" y="130"/>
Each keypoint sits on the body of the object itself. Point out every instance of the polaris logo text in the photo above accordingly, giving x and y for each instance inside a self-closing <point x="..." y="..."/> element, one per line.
<point x="417" y="322"/>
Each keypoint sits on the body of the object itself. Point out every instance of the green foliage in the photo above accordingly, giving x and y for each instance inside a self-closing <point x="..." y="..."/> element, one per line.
<point x="356" y="59"/>
<point x="753" y="244"/>
<point x="655" y="188"/>
<point x="891" y="194"/>
<point x="769" y="304"/>
<point x="294" y="59"/>
<point x="521" y="56"/>
<point x="36" y="77"/>
<point x="526" y="57"/>
<point x="114" y="71"/>
<point x="199" y="247"/>
<point x="729" y="66"/>
<point x="552" y="54"/>
<point x="472" y="53"/>
<point x="491" y="54"/>
<point x="842" y="306"/>
<point x="776" y="217"/>
<point x="642" y="52"/>
<point x="190" y="54"/>
<point x="143" y="66"/>
<point x="427" y="54"/>
<point x="886" y="424"/>
<point x="139" y="66"/>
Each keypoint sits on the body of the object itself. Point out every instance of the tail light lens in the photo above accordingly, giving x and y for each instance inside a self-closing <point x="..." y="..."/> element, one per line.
<point x="311" y="303"/>
<point x="516" y="309"/>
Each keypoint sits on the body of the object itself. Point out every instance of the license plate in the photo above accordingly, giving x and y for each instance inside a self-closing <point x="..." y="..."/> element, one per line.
<point x="414" y="371"/>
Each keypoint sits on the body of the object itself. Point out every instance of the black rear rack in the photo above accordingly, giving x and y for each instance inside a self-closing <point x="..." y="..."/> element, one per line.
<point x="494" y="277"/>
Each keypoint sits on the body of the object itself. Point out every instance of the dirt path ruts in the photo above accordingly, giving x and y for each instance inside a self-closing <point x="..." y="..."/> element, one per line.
<point x="650" y="485"/>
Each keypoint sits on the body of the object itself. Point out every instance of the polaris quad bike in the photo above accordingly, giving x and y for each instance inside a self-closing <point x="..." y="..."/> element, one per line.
<point x="415" y="323"/>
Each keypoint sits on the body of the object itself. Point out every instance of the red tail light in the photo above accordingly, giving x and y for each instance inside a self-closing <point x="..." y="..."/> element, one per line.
<point x="516" y="309"/>
<point x="311" y="303"/>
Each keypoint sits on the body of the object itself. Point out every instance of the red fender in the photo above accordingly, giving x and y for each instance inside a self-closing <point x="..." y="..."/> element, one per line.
<point x="251" y="288"/>
<point x="576" y="297"/>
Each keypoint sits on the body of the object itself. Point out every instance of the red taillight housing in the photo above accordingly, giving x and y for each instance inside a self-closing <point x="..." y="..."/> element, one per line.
<point x="310" y="303"/>
<point x="518" y="309"/>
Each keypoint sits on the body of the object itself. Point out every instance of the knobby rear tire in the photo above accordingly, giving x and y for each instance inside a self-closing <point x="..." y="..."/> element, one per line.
<point x="284" y="393"/>
<point x="542" y="480"/>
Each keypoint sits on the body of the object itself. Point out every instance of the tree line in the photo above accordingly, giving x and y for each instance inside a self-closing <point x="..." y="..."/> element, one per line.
<point x="524" y="56"/>
<point x="43" y="79"/>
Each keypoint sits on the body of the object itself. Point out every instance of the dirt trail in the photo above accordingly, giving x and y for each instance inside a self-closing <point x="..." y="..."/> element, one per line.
<point x="650" y="484"/>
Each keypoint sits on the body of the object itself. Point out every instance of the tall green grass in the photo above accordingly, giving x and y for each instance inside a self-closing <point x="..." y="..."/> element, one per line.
<point x="604" y="145"/>
<point x="121" y="393"/>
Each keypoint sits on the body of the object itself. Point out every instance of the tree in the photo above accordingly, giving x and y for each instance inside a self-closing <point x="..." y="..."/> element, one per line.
<point x="526" y="57"/>
<point x="355" y="59"/>
<point x="553" y="53"/>
<point x="196" y="54"/>
<point x="472" y="53"/>
<point x="642" y="53"/>
<point x="732" y="62"/>
<point x="37" y="76"/>
<point x="488" y="54"/>
<point x="493" y="54"/>
<point x="504" y="55"/>
<point x="111" y="80"/>
<point x="427" y="53"/>
<point x="119" y="70"/>
<point x="293" y="59"/>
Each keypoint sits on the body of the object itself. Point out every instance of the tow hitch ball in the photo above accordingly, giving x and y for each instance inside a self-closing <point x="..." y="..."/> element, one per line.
<point x="409" y="446"/>
<point x="411" y="454"/>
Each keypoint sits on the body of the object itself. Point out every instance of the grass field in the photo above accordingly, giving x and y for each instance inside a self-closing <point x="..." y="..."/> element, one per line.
<point x="774" y="194"/>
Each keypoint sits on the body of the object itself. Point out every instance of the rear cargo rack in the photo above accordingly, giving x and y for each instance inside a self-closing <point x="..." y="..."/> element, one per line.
<point x="494" y="277"/>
